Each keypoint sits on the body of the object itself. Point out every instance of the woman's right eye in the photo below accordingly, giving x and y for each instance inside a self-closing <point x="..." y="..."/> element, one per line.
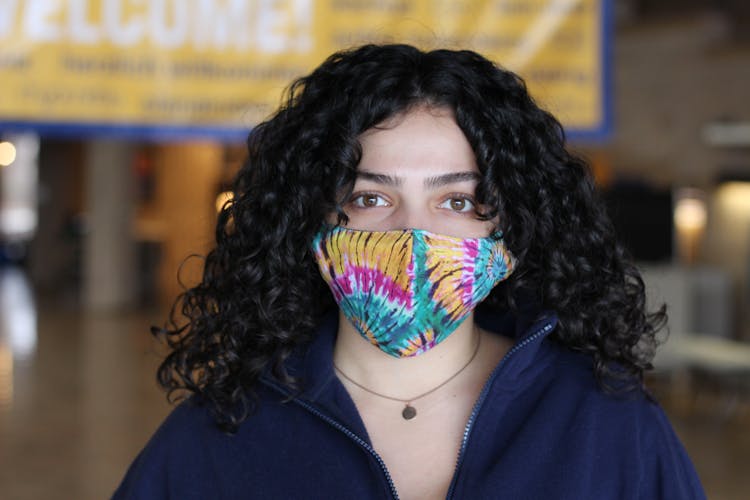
<point x="369" y="200"/>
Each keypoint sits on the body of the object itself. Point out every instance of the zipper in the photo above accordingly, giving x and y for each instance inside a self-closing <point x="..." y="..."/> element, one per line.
<point x="351" y="435"/>
<point x="483" y="395"/>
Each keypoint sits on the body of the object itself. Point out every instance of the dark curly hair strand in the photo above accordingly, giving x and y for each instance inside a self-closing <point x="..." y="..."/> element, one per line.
<point x="262" y="296"/>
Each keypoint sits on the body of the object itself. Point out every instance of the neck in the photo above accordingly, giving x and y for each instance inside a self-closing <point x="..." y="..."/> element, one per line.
<point x="403" y="377"/>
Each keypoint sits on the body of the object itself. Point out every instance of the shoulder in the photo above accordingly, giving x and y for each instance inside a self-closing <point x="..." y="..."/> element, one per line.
<point x="621" y="430"/>
<point x="568" y="379"/>
<point x="175" y="451"/>
<point x="186" y="426"/>
<point x="189" y="456"/>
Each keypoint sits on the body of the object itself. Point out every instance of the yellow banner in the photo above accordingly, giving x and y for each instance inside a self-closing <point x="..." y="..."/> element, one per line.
<point x="219" y="66"/>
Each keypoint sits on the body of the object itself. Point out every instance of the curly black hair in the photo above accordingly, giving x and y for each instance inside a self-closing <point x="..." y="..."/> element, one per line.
<point x="261" y="295"/>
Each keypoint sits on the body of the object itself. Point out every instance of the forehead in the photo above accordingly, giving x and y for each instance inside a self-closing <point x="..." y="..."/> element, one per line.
<point x="422" y="141"/>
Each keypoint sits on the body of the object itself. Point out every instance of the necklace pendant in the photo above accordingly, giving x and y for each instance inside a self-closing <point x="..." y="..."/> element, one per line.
<point x="409" y="412"/>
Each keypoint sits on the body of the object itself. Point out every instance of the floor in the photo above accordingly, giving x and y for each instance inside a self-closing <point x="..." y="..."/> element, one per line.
<point x="78" y="397"/>
<point x="78" y="400"/>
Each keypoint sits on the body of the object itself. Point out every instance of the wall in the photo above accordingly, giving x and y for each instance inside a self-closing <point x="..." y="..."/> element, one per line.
<point x="671" y="78"/>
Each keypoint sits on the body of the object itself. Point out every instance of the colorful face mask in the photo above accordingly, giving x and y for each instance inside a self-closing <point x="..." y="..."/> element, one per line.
<point x="405" y="291"/>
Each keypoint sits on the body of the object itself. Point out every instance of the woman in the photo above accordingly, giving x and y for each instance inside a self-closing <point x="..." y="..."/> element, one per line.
<point x="415" y="293"/>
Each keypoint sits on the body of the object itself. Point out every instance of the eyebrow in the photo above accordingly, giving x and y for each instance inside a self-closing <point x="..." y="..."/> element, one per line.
<point x="452" y="178"/>
<point x="388" y="180"/>
<point x="429" y="183"/>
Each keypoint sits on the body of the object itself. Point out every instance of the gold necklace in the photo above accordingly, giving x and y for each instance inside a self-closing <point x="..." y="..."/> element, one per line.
<point x="409" y="411"/>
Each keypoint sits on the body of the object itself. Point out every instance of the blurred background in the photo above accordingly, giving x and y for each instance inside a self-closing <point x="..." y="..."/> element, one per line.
<point x="97" y="215"/>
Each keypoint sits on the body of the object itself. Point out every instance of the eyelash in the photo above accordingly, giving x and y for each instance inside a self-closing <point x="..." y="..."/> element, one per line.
<point x="361" y="196"/>
<point x="458" y="196"/>
<point x="357" y="201"/>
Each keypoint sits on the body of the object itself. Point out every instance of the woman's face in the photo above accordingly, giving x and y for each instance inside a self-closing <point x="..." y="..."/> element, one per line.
<point x="417" y="171"/>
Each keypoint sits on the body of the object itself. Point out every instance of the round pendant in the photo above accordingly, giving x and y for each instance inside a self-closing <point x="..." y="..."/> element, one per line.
<point x="409" y="412"/>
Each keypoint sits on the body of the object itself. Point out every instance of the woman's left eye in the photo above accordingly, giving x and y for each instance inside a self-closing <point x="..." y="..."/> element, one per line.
<point x="458" y="204"/>
<point x="368" y="200"/>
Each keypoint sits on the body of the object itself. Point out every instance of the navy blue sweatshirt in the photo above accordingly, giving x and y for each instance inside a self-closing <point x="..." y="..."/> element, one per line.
<point x="541" y="429"/>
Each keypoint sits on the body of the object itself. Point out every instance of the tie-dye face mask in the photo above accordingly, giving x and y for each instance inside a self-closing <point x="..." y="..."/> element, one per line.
<point x="405" y="291"/>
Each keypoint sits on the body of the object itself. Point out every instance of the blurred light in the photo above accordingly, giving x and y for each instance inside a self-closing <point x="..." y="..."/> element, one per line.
<point x="727" y="134"/>
<point x="6" y="376"/>
<point x="18" y="187"/>
<point x="690" y="218"/>
<point x="18" y="327"/>
<point x="690" y="214"/>
<point x="7" y="153"/>
<point x="735" y="195"/>
<point x="18" y="222"/>
<point x="18" y="323"/>
<point x="222" y="199"/>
